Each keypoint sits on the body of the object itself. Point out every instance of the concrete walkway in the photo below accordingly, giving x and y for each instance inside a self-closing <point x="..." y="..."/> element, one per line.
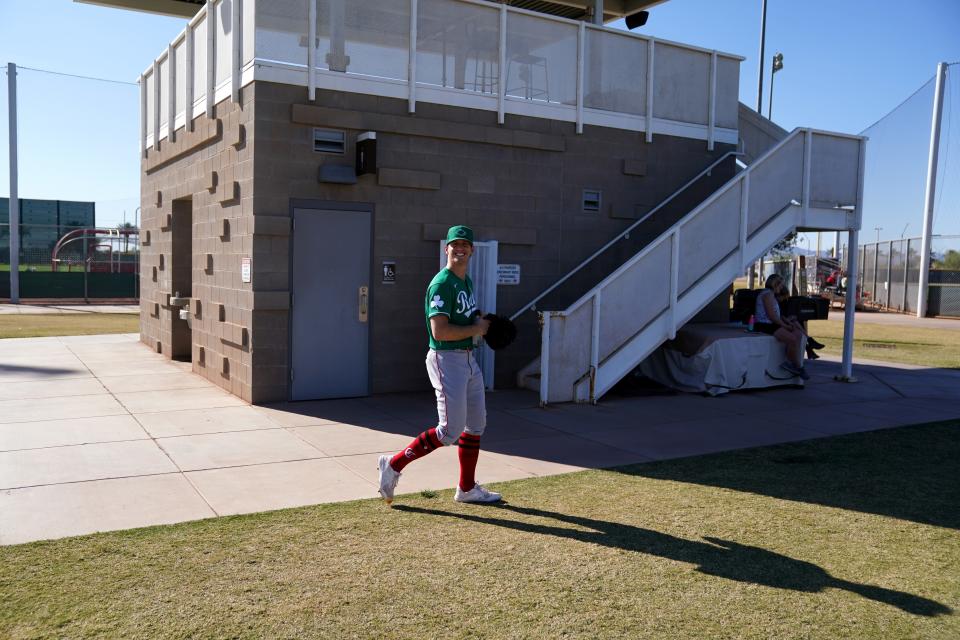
<point x="99" y="433"/>
<point x="57" y="308"/>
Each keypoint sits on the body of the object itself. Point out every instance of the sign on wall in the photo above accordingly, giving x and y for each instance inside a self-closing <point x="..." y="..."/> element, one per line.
<point x="508" y="274"/>
<point x="245" y="270"/>
<point x="389" y="272"/>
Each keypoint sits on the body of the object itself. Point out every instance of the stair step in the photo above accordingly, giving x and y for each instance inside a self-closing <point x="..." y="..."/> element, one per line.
<point x="531" y="382"/>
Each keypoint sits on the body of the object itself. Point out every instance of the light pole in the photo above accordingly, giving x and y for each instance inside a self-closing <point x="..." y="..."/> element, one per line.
<point x="777" y="65"/>
<point x="763" y="40"/>
<point x="878" y="230"/>
<point x="752" y="272"/>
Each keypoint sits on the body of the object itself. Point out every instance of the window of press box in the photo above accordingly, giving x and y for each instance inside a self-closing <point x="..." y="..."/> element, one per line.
<point x="329" y="141"/>
<point x="591" y="200"/>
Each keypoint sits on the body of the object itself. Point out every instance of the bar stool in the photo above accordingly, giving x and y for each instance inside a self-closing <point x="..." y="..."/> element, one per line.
<point x="530" y="67"/>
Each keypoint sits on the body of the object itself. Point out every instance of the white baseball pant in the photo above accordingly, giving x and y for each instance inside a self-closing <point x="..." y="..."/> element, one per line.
<point x="458" y="383"/>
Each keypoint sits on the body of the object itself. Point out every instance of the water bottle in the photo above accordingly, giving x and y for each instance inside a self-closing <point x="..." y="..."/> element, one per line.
<point x="750" y="323"/>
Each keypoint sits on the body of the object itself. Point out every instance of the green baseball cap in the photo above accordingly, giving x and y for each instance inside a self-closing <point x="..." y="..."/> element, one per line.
<point x="460" y="232"/>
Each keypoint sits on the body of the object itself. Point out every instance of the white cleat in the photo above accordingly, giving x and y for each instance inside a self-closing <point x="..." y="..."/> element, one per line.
<point x="388" y="478"/>
<point x="479" y="493"/>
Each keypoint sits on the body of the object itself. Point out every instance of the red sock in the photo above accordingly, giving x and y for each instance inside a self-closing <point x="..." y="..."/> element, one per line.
<point x="421" y="446"/>
<point x="468" y="453"/>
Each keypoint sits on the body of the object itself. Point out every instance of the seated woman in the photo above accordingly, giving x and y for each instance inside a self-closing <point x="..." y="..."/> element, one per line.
<point x="767" y="319"/>
<point x="812" y="343"/>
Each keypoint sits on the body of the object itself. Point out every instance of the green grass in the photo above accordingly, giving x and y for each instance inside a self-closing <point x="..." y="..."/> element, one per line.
<point x="892" y="343"/>
<point x="16" y="325"/>
<point x="848" y="537"/>
<point x="35" y="267"/>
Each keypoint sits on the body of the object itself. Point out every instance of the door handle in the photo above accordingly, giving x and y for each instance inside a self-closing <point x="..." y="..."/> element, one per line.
<point x="363" y="300"/>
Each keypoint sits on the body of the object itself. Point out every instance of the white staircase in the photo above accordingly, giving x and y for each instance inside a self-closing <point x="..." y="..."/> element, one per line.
<point x="810" y="180"/>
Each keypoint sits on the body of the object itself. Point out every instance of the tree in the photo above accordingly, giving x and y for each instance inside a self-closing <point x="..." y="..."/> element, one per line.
<point x="785" y="247"/>
<point x="950" y="261"/>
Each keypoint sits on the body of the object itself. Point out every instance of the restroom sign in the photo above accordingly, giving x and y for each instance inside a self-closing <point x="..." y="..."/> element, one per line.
<point x="508" y="274"/>
<point x="389" y="272"/>
<point x="245" y="270"/>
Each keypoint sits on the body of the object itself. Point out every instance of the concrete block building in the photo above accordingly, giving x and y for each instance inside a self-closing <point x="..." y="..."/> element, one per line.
<point x="302" y="160"/>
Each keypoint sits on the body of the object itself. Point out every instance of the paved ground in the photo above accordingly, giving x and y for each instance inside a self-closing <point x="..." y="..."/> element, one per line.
<point x="37" y="309"/>
<point x="100" y="433"/>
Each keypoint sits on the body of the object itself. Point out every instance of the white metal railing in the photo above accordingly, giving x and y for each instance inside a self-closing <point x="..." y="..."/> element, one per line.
<point x="811" y="179"/>
<point x="201" y="67"/>
<point x="625" y="233"/>
<point x="468" y="53"/>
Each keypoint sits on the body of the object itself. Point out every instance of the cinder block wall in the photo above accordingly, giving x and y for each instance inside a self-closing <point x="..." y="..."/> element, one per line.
<point x="520" y="184"/>
<point x="208" y="171"/>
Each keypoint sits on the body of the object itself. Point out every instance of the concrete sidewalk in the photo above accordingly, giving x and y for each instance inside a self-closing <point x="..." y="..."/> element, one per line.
<point x="32" y="308"/>
<point x="100" y="433"/>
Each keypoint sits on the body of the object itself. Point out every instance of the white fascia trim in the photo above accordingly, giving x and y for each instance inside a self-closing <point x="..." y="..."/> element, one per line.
<point x="836" y="134"/>
<point x="695" y="131"/>
<point x="248" y="75"/>
<point x="633" y="122"/>
<point x="458" y="98"/>
<point x="551" y="110"/>
<point x="296" y="74"/>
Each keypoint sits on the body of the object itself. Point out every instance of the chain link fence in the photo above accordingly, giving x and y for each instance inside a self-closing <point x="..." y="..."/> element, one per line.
<point x="66" y="262"/>
<point x="890" y="275"/>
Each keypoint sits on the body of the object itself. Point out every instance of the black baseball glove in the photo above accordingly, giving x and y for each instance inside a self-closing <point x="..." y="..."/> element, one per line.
<point x="501" y="333"/>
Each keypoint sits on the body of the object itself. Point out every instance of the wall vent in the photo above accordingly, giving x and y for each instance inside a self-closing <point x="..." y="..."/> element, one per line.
<point x="591" y="200"/>
<point x="329" y="141"/>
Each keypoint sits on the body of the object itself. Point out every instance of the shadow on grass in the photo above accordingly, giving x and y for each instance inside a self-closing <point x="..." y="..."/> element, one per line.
<point x="715" y="557"/>
<point x="909" y="473"/>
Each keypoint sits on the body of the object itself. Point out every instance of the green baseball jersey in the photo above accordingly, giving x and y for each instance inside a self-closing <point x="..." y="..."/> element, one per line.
<point x="450" y="296"/>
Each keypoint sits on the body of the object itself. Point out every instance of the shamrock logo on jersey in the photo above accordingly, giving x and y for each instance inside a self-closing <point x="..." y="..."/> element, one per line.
<point x="436" y="303"/>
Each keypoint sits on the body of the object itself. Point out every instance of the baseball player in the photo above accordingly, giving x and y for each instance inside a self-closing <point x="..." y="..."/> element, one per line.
<point x="452" y="321"/>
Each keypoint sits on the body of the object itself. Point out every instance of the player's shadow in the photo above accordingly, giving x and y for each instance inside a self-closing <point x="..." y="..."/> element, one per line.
<point x="714" y="556"/>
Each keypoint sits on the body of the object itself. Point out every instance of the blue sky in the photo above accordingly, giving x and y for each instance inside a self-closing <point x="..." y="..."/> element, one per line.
<point x="846" y="64"/>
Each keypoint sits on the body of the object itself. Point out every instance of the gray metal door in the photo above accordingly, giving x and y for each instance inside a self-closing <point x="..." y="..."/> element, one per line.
<point x="331" y="294"/>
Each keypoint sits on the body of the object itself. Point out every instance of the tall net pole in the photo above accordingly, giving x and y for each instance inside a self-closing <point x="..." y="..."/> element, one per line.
<point x="929" y="197"/>
<point x="13" y="217"/>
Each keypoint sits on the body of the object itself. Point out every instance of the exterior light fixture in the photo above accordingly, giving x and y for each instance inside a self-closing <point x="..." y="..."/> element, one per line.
<point x="777" y="66"/>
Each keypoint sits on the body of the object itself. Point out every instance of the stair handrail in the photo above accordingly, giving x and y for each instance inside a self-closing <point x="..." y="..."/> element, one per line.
<point x="672" y="235"/>
<point x="743" y="175"/>
<point x="625" y="232"/>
